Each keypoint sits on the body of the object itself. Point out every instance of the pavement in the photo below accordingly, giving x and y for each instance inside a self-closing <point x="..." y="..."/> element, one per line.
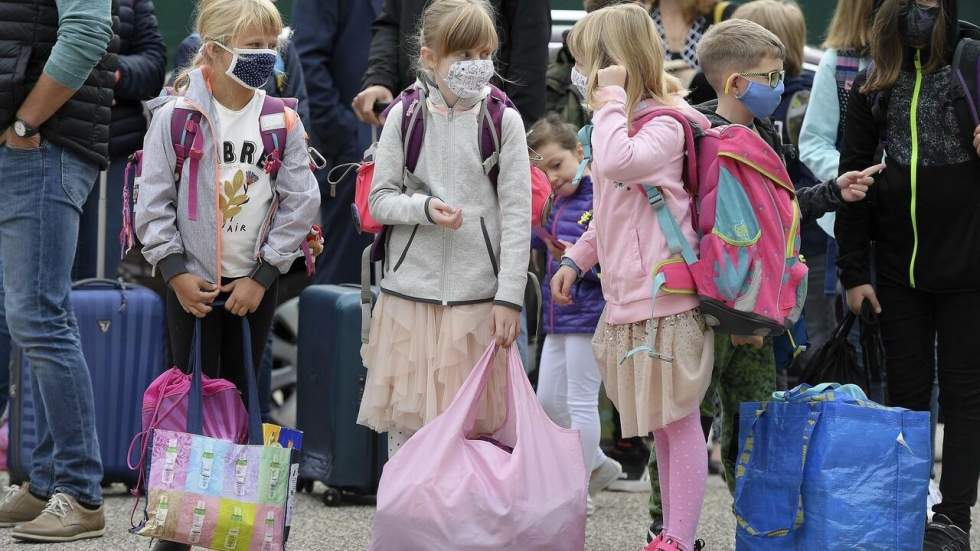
<point x="619" y="524"/>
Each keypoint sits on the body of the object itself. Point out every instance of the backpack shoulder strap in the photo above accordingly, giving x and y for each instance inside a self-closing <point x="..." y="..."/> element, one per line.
<point x="184" y="126"/>
<point x="413" y="124"/>
<point x="492" y="130"/>
<point x="966" y="68"/>
<point x="692" y="131"/>
<point x="721" y="12"/>
<point x="273" y="127"/>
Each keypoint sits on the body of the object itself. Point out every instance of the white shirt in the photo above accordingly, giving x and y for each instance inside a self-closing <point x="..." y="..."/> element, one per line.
<point x="246" y="192"/>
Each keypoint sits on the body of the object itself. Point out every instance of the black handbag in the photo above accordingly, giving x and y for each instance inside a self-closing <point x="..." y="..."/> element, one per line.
<point x="837" y="360"/>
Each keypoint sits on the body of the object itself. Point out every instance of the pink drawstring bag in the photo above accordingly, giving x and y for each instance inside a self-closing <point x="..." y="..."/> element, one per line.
<point x="4" y="444"/>
<point x="521" y="488"/>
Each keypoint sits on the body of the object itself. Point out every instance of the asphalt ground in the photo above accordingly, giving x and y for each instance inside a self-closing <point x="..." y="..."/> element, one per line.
<point x="619" y="524"/>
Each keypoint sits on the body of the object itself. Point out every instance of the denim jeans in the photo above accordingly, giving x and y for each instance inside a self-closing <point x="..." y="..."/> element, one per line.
<point x="86" y="258"/>
<point x="41" y="199"/>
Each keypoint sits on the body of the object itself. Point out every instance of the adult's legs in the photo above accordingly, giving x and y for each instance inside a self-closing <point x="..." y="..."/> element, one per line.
<point x="40" y="205"/>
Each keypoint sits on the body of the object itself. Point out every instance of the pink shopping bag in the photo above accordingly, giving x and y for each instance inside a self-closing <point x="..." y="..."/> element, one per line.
<point x="521" y="488"/>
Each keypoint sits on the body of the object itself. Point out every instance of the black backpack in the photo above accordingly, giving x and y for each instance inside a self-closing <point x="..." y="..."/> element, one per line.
<point x="966" y="71"/>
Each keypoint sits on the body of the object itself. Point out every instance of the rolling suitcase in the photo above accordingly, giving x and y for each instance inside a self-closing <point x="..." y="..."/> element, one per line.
<point x="123" y="331"/>
<point x="345" y="456"/>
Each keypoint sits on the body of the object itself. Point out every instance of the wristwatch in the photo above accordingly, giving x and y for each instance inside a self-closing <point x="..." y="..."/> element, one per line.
<point x="23" y="130"/>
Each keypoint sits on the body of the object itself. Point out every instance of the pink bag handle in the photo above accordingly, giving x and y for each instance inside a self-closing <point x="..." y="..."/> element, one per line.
<point x="521" y="399"/>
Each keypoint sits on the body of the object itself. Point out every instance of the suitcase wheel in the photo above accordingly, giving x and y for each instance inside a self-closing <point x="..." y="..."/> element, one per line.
<point x="332" y="497"/>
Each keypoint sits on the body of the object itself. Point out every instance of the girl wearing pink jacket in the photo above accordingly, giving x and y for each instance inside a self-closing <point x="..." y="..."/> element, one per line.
<point x="620" y="70"/>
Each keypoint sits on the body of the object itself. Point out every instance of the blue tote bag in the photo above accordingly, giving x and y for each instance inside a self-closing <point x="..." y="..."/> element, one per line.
<point x="824" y="468"/>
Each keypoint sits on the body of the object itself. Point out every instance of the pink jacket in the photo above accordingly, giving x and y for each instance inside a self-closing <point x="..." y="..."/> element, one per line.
<point x="624" y="236"/>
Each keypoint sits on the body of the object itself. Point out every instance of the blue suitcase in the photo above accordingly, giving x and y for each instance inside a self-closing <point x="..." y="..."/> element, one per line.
<point x="122" y="331"/>
<point x="345" y="456"/>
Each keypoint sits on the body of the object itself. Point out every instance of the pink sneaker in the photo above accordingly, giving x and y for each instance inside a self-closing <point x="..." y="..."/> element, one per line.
<point x="661" y="544"/>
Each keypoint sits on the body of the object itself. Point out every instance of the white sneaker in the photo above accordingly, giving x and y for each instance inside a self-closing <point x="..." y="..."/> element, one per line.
<point x="589" y="506"/>
<point x="935" y="497"/>
<point x="604" y="475"/>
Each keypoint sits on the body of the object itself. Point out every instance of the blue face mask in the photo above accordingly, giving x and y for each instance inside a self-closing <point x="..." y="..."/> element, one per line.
<point x="761" y="99"/>
<point x="250" y="67"/>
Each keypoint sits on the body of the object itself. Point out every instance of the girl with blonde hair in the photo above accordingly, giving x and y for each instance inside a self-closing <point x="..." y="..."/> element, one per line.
<point x="620" y="68"/>
<point x="457" y="250"/>
<point x="234" y="218"/>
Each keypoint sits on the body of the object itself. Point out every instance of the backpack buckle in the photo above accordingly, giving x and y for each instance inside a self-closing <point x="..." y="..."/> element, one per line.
<point x="490" y="162"/>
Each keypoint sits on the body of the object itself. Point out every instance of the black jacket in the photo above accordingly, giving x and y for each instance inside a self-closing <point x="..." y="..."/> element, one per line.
<point x="142" y="65"/>
<point x="28" y="32"/>
<point x="524" y="28"/>
<point x="921" y="216"/>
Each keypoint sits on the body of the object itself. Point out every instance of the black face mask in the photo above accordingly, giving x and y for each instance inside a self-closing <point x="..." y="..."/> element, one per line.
<point x="916" y="24"/>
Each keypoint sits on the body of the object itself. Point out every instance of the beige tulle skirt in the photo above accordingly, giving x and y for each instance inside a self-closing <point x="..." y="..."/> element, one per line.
<point x="418" y="356"/>
<point x="648" y="392"/>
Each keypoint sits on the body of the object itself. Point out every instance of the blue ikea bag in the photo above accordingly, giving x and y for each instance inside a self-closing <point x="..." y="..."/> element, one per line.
<point x="823" y="468"/>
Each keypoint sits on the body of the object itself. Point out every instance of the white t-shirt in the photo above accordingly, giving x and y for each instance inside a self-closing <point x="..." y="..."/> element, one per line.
<point x="246" y="192"/>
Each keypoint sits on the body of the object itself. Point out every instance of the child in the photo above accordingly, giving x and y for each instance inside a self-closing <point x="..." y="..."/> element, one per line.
<point x="922" y="221"/>
<point x="457" y="255"/>
<point x="744" y="63"/>
<point x="568" y="381"/>
<point x="621" y="57"/>
<point x="221" y="252"/>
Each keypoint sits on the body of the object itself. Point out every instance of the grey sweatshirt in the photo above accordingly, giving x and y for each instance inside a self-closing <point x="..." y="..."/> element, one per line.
<point x="486" y="258"/>
<point x="172" y="242"/>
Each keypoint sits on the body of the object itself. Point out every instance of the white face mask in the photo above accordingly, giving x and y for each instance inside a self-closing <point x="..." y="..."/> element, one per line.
<point x="468" y="78"/>
<point x="580" y="81"/>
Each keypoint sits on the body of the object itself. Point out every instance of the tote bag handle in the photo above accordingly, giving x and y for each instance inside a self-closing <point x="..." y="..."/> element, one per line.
<point x="195" y="422"/>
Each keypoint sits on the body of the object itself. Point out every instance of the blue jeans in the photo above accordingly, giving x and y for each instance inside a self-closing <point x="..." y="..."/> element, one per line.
<point x="86" y="258"/>
<point x="41" y="199"/>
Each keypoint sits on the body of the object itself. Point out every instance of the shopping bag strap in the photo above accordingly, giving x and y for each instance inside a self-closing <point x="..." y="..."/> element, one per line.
<point x="787" y="525"/>
<point x="195" y="421"/>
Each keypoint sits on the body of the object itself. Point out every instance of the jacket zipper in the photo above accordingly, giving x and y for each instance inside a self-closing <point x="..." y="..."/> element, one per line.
<point x="489" y="244"/>
<point x="218" y="217"/>
<point x="914" y="124"/>
<point x="445" y="232"/>
<point x="554" y="235"/>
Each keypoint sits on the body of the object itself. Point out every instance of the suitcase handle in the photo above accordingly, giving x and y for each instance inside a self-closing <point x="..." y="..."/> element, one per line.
<point x="100" y="282"/>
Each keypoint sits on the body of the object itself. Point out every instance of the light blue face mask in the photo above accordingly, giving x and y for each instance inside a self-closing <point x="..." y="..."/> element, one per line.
<point x="761" y="99"/>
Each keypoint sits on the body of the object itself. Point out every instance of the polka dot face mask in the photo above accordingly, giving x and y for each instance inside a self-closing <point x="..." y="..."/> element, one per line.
<point x="250" y="67"/>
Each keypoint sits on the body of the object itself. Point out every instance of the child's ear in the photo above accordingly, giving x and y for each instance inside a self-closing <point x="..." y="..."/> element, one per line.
<point x="428" y="58"/>
<point x="731" y="85"/>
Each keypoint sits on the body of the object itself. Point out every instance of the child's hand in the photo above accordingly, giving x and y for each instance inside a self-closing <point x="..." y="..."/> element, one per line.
<point x="194" y="293"/>
<point x="561" y="285"/>
<point x="246" y="295"/>
<point x="744" y="340"/>
<point x="505" y="325"/>
<point x="854" y="185"/>
<point x="614" y="75"/>
<point x="444" y="215"/>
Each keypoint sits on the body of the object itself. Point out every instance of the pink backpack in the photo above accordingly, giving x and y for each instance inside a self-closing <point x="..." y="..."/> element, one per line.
<point x="748" y="272"/>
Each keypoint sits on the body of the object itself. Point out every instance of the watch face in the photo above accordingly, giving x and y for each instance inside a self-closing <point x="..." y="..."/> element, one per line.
<point x="20" y="129"/>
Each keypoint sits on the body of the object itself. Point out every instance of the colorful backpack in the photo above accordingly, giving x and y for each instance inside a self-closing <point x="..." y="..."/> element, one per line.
<point x="413" y="133"/>
<point x="747" y="272"/>
<point x="188" y="142"/>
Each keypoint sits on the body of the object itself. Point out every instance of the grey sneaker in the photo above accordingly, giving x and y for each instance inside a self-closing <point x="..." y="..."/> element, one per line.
<point x="18" y="505"/>
<point x="63" y="519"/>
<point x="604" y="475"/>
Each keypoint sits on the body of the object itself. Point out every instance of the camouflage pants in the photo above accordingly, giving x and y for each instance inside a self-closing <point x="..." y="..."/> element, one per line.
<point x="741" y="374"/>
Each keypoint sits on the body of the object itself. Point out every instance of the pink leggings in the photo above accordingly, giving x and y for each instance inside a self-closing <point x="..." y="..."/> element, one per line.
<point x="683" y="463"/>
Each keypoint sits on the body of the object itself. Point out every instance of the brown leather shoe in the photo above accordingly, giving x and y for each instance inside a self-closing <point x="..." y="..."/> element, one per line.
<point x="18" y="505"/>
<point x="63" y="519"/>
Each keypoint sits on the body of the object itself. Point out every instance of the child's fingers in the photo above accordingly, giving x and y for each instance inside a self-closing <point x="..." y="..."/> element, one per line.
<point x="871" y="171"/>
<point x="229" y="288"/>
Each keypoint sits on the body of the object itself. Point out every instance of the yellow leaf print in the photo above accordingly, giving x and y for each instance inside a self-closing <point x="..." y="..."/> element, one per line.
<point x="231" y="201"/>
